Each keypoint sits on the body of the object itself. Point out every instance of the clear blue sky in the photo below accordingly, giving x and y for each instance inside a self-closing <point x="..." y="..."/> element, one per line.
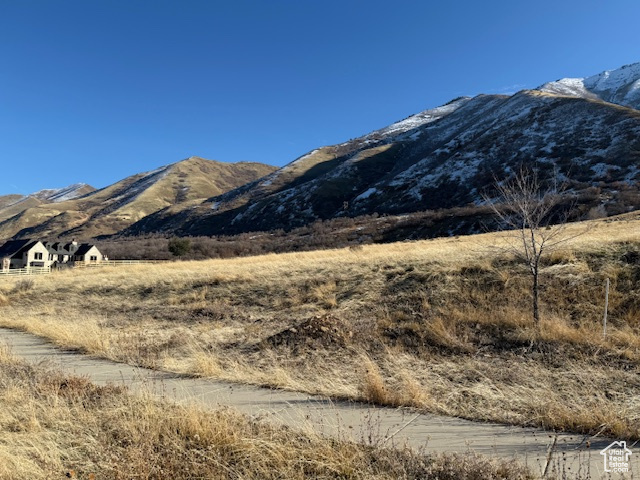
<point x="94" y="91"/>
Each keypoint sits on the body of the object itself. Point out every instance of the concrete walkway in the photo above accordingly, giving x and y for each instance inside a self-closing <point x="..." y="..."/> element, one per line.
<point x="572" y="454"/>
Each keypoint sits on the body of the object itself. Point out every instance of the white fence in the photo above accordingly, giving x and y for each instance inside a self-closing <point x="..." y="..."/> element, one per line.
<point x="115" y="263"/>
<point x="47" y="270"/>
<point x="26" y="271"/>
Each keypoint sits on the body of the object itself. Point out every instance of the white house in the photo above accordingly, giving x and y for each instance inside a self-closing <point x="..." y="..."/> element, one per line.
<point x="24" y="253"/>
<point x="34" y="253"/>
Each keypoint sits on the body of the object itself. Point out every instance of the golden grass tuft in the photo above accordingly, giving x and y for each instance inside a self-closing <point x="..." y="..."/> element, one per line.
<point x="374" y="389"/>
<point x="325" y="294"/>
<point x="206" y="364"/>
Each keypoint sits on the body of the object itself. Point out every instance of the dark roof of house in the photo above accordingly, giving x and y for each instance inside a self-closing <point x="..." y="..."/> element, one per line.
<point x="83" y="248"/>
<point x="57" y="248"/>
<point x="57" y="251"/>
<point x="15" y="248"/>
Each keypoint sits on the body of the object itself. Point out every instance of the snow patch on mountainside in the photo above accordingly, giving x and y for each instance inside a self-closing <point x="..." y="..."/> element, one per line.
<point x="601" y="169"/>
<point x="366" y="194"/>
<point x="298" y="162"/>
<point x="418" y="120"/>
<point x="56" y="195"/>
<point x="304" y="157"/>
<point x="147" y="180"/>
<point x="456" y="170"/>
<point x="633" y="175"/>
<point x="135" y="189"/>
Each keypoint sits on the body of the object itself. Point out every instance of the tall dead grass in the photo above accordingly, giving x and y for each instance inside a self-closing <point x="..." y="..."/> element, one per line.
<point x="55" y="426"/>
<point x="441" y="325"/>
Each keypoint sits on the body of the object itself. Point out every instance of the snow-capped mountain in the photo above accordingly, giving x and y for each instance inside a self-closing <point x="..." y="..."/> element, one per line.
<point x="588" y="130"/>
<point x="621" y="86"/>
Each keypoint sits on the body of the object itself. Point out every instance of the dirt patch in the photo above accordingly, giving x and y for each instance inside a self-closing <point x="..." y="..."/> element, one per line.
<point x="325" y="331"/>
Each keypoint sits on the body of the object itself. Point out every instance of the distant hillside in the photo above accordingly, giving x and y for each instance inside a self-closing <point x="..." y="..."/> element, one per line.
<point x="7" y="200"/>
<point x="61" y="194"/>
<point x="12" y="205"/>
<point x="445" y="158"/>
<point x="113" y="208"/>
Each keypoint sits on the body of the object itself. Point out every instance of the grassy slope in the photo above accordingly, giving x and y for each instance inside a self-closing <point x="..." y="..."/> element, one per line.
<point x="9" y="208"/>
<point x="441" y="325"/>
<point x="194" y="179"/>
<point x="304" y="168"/>
<point x="12" y="210"/>
<point x="119" y="205"/>
<point x="9" y="199"/>
<point x="56" y="426"/>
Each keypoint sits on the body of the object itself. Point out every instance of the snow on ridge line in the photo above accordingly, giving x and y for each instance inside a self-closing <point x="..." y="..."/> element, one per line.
<point x="268" y="181"/>
<point x="303" y="157"/>
<point x="151" y="173"/>
<point x="148" y="179"/>
<point x="614" y="79"/>
<point x="56" y="195"/>
<point x="421" y="118"/>
<point x="69" y="193"/>
<point x="620" y="86"/>
<point x="565" y="86"/>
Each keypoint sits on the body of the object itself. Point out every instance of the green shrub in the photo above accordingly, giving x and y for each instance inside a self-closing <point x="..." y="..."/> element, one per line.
<point x="179" y="246"/>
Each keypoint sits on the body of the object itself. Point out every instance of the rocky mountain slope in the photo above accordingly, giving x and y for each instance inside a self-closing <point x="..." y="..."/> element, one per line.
<point x="64" y="212"/>
<point x="587" y="130"/>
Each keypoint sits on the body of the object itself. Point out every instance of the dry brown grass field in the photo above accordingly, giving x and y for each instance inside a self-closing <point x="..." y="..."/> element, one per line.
<point x="56" y="426"/>
<point x="443" y="325"/>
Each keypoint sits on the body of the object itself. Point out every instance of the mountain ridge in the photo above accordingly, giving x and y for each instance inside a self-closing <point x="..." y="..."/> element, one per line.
<point x="585" y="129"/>
<point x="434" y="165"/>
<point x="112" y="208"/>
<point x="620" y="86"/>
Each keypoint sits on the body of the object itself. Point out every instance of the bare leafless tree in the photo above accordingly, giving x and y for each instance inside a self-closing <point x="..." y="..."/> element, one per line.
<point x="534" y="222"/>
